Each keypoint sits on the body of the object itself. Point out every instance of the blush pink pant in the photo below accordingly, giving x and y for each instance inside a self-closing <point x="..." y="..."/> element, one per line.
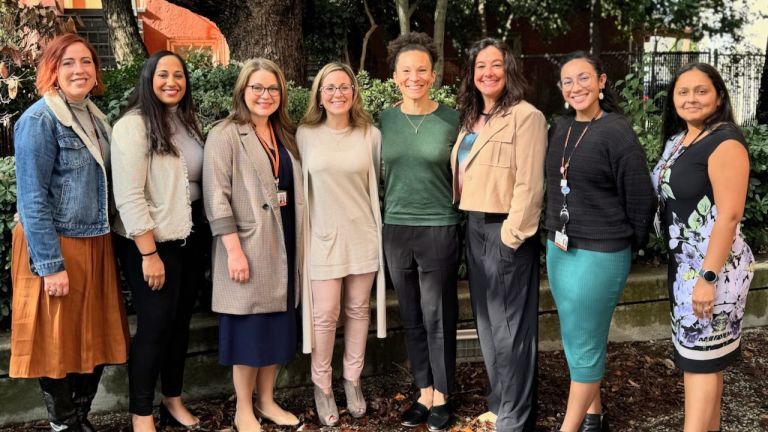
<point x="326" y="304"/>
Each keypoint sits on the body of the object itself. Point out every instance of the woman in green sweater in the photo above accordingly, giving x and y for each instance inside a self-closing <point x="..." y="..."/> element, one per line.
<point x="420" y="234"/>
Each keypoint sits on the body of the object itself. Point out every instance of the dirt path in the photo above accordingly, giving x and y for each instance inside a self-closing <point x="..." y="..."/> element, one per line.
<point x="642" y="392"/>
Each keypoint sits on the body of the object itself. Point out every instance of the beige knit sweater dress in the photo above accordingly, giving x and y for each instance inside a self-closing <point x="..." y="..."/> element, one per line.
<point x="344" y="222"/>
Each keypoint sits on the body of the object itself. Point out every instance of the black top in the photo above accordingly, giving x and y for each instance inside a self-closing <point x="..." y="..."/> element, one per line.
<point x="611" y="202"/>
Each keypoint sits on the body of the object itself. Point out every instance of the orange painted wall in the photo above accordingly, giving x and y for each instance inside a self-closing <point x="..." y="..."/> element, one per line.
<point x="167" y="26"/>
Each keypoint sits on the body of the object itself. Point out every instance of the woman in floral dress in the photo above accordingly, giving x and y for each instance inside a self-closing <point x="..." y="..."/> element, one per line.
<point x="702" y="182"/>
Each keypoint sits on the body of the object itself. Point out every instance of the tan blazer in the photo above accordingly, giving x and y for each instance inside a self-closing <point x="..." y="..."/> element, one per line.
<point x="505" y="171"/>
<point x="240" y="196"/>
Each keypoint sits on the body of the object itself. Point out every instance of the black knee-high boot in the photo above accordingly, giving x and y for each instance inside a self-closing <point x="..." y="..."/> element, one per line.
<point x="57" y="395"/>
<point x="84" y="388"/>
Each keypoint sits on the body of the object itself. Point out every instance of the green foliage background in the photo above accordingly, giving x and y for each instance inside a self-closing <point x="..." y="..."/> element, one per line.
<point x="212" y="87"/>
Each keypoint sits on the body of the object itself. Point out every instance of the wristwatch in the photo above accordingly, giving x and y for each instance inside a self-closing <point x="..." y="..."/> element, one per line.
<point x="709" y="276"/>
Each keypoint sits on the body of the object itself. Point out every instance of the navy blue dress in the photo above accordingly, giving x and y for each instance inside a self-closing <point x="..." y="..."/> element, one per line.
<point x="265" y="339"/>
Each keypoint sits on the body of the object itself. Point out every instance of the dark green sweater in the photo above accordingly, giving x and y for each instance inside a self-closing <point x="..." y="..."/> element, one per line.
<point x="417" y="169"/>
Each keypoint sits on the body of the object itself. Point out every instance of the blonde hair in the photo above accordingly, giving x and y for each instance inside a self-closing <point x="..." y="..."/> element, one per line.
<point x="316" y="115"/>
<point x="282" y="124"/>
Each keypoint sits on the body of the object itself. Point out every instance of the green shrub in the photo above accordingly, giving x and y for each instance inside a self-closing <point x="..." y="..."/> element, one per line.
<point x="212" y="92"/>
<point x="7" y="210"/>
<point x="756" y="210"/>
<point x="119" y="83"/>
<point x="298" y="99"/>
<point x="645" y="117"/>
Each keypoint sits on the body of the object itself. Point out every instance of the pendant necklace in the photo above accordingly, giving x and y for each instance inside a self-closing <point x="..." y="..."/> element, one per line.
<point x="416" y="127"/>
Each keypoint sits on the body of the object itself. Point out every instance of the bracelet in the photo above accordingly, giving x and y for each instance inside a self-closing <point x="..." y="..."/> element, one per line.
<point x="148" y="254"/>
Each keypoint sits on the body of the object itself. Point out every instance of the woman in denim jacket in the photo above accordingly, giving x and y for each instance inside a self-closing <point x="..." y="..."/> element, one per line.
<point x="68" y="318"/>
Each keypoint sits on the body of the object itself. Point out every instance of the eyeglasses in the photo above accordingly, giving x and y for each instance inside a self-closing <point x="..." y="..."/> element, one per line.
<point x="259" y="90"/>
<point x="582" y="79"/>
<point x="330" y="90"/>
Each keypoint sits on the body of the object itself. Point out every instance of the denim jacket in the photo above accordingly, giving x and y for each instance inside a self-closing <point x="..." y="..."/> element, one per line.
<point x="61" y="180"/>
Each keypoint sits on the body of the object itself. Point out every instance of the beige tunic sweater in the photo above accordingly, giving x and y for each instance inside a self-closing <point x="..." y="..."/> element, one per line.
<point x="344" y="234"/>
<point x="343" y="219"/>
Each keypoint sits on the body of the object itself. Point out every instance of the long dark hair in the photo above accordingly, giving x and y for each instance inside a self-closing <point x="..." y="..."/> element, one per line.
<point x="155" y="112"/>
<point x="470" y="100"/>
<point x="610" y="101"/>
<point x="672" y="123"/>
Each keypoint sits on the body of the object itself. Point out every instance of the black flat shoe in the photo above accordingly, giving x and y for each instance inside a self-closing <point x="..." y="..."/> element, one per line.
<point x="415" y="415"/>
<point x="167" y="419"/>
<point x="440" y="417"/>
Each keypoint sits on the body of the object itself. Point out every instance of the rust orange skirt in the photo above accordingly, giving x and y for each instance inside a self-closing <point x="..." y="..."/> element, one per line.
<point x="54" y="336"/>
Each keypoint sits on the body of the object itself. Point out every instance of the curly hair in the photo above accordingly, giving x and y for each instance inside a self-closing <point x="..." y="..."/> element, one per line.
<point x="413" y="41"/>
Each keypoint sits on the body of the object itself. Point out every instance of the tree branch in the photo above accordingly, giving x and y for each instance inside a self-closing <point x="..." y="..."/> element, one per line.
<point x="206" y="8"/>
<point x="368" y="34"/>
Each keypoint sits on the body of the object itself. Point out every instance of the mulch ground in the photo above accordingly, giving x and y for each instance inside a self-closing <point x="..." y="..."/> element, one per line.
<point x="642" y="391"/>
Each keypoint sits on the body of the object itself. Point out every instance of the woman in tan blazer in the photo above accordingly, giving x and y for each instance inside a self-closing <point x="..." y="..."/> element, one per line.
<point x="498" y="166"/>
<point x="254" y="202"/>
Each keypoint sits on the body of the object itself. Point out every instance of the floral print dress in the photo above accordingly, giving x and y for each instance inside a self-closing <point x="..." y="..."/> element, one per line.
<point x="689" y="214"/>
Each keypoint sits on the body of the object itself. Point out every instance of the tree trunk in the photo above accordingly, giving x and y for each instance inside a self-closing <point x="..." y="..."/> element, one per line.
<point x="594" y="26"/>
<point x="762" y="102"/>
<point x="441" y="9"/>
<point x="368" y="34"/>
<point x="123" y="31"/>
<point x="483" y="21"/>
<point x="403" y="16"/>
<point x="258" y="28"/>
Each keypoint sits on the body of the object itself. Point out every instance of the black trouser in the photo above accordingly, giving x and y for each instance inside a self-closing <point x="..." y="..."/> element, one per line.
<point x="159" y="346"/>
<point x="423" y="263"/>
<point x="68" y="400"/>
<point x="504" y="288"/>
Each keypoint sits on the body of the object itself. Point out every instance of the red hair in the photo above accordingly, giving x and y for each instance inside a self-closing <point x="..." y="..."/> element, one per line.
<point x="48" y="67"/>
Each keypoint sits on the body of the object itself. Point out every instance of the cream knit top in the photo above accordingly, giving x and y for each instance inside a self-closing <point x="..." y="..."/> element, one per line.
<point x="343" y="218"/>
<point x="344" y="234"/>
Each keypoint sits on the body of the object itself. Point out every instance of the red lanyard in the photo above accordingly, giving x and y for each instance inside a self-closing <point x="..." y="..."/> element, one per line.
<point x="272" y="152"/>
<point x="564" y="164"/>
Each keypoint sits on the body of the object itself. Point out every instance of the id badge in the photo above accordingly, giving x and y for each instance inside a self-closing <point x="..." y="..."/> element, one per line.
<point x="561" y="240"/>
<point x="282" y="198"/>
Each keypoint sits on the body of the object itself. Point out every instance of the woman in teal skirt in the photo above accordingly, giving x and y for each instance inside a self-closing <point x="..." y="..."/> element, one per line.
<point x="600" y="204"/>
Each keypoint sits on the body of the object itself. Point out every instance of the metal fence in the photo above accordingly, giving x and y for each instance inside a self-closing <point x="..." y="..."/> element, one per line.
<point x="741" y="73"/>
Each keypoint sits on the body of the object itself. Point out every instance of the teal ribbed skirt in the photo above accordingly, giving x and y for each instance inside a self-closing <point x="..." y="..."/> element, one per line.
<point x="586" y="286"/>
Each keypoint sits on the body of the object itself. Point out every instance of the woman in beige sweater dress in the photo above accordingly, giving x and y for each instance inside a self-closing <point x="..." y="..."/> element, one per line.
<point x="340" y="148"/>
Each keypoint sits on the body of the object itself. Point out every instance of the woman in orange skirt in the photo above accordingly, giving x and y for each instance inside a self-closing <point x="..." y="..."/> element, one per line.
<point x="68" y="319"/>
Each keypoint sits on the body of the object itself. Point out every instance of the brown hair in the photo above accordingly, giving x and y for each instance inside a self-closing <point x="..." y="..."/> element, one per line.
<point x="47" y="68"/>
<point x="284" y="127"/>
<point x="470" y="101"/>
<point x="315" y="115"/>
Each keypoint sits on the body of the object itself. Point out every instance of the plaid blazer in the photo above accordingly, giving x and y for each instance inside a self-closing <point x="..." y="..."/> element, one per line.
<point x="240" y="196"/>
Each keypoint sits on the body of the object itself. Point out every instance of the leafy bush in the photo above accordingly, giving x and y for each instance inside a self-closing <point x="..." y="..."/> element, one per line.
<point x="756" y="210"/>
<point x="7" y="210"/>
<point x="119" y="84"/>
